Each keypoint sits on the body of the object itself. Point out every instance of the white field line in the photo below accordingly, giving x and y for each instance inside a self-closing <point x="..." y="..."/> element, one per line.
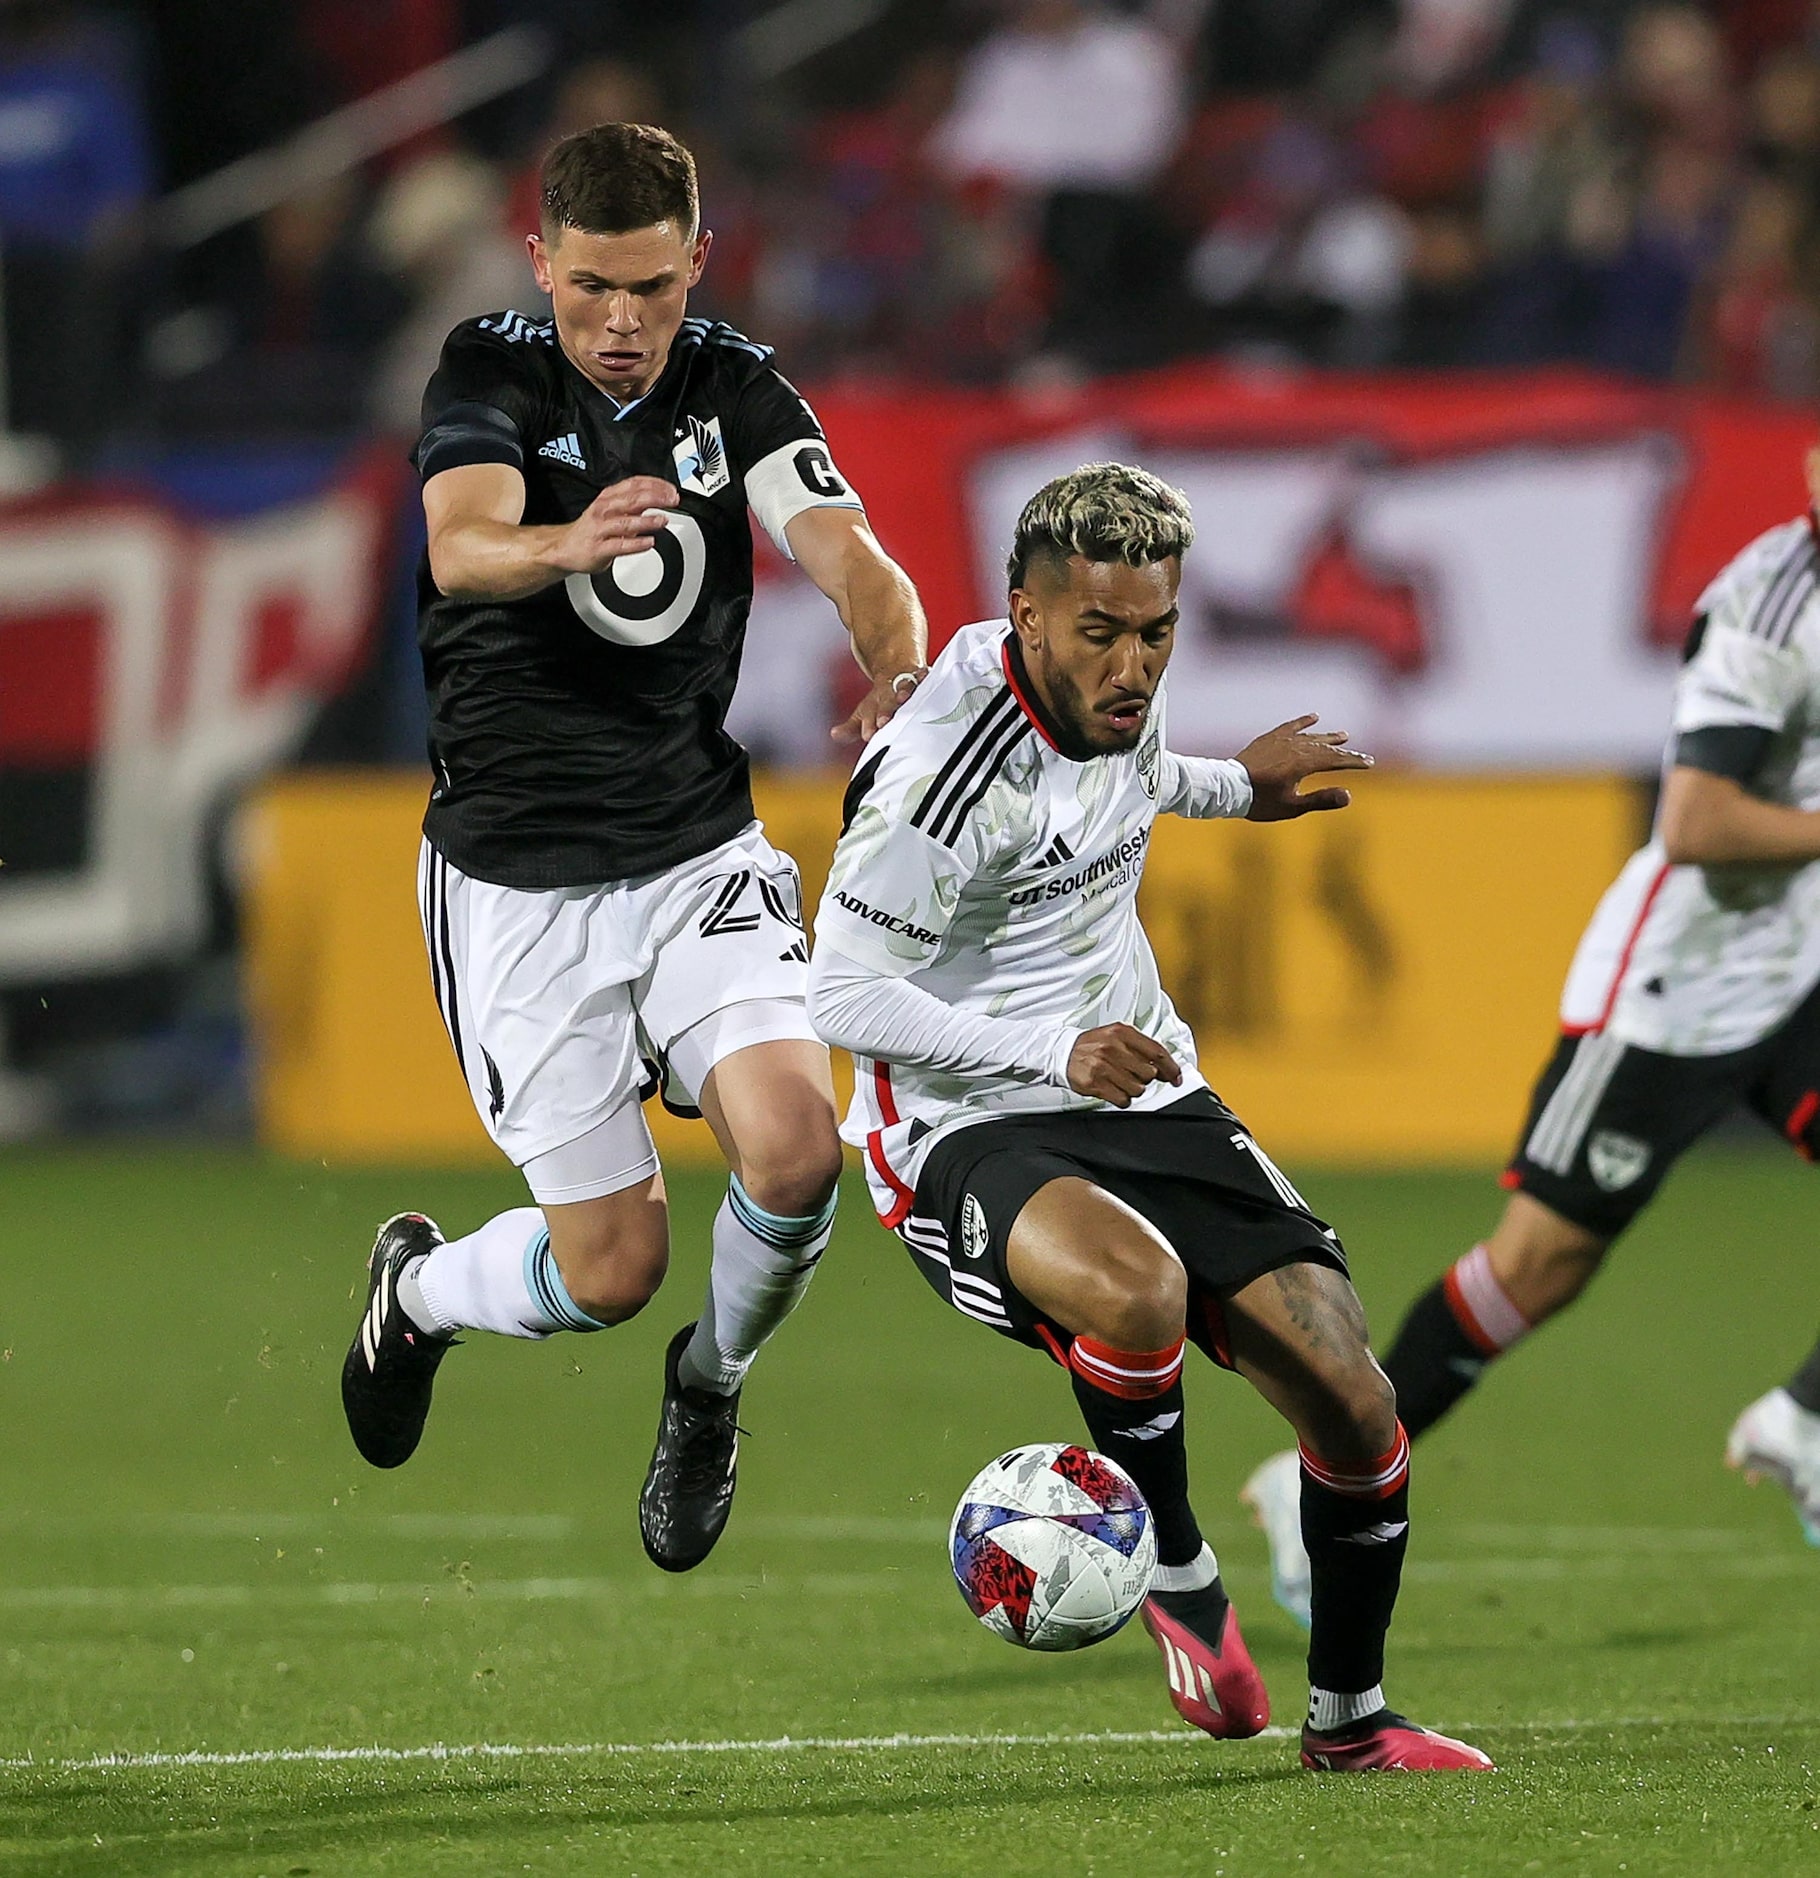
<point x="452" y="1586"/>
<point x="1608" y="1565"/>
<point x="1600" y="1538"/>
<point x="444" y="1589"/>
<point x="856" y="1528"/>
<point x="533" y="1528"/>
<point x="803" y="1744"/>
<point x="539" y="1528"/>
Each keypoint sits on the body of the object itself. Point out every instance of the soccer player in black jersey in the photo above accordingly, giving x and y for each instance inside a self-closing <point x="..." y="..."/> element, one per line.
<point x="603" y="913"/>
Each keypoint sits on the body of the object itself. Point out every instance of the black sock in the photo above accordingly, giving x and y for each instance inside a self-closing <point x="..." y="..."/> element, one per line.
<point x="1432" y="1363"/>
<point x="1203" y="1611"/>
<point x="1158" y="1461"/>
<point x="1804" y="1384"/>
<point x="1355" y="1556"/>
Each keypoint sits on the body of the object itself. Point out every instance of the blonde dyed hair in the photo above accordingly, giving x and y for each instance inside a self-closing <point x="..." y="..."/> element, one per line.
<point x="1102" y="512"/>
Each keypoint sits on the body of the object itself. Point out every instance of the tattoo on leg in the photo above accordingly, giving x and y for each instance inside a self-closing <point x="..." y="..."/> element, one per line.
<point x="1323" y="1306"/>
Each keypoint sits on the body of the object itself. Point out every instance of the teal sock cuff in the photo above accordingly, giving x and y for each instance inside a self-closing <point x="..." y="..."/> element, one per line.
<point x="782" y="1230"/>
<point x="544" y="1282"/>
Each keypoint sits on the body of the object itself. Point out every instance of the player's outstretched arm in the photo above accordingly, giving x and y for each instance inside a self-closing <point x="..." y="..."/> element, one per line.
<point x="1709" y="820"/>
<point x="480" y="548"/>
<point x="877" y="603"/>
<point x="1281" y="760"/>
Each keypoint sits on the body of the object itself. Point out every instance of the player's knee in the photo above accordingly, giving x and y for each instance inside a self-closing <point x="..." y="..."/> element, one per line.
<point x="1561" y="1279"/>
<point x="1371" y="1407"/>
<point x="1543" y="1270"/>
<point x="610" y="1272"/>
<point x="614" y="1288"/>
<point x="793" y="1177"/>
<point x="1353" y="1415"/>
<point x="1138" y="1299"/>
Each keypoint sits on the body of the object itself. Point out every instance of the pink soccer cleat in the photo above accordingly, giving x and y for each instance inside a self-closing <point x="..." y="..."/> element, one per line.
<point x="1214" y="1685"/>
<point x="1389" y="1743"/>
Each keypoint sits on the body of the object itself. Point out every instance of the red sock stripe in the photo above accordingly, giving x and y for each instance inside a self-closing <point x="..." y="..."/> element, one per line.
<point x="1376" y="1480"/>
<point x="1053" y="1344"/>
<point x="1480" y="1304"/>
<point x="1476" y="1333"/>
<point x="1133" y="1375"/>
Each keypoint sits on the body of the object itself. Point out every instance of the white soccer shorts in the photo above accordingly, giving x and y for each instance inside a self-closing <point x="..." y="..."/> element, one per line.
<point x="558" y="1000"/>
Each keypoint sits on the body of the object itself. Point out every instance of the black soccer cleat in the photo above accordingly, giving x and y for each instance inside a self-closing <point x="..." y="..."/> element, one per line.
<point x="689" y="1491"/>
<point x="391" y="1364"/>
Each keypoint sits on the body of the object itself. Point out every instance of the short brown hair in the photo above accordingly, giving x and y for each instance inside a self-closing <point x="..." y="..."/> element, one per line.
<point x="617" y="177"/>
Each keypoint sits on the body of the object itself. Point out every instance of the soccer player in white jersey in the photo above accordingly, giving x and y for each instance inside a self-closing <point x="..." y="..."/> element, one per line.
<point x="602" y="910"/>
<point x="1034" y="1125"/>
<point x="1695" y="988"/>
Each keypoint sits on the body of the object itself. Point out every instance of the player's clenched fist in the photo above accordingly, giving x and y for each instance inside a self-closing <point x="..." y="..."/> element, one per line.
<point x="619" y="521"/>
<point x="1117" y="1064"/>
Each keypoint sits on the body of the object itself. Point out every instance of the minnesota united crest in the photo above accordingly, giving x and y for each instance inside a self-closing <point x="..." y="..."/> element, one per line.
<point x="701" y="458"/>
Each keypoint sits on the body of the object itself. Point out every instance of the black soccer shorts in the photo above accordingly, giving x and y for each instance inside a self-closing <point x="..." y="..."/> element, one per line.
<point x="1191" y="1169"/>
<point x="1608" y="1120"/>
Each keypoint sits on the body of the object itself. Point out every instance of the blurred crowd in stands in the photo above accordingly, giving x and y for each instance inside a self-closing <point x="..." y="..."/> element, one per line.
<point x="972" y="191"/>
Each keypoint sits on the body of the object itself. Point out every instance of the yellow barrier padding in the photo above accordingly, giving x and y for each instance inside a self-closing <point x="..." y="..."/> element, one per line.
<point x="1375" y="986"/>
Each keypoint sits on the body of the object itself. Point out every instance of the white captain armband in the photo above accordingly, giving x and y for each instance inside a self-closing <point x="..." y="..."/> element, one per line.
<point x="799" y="476"/>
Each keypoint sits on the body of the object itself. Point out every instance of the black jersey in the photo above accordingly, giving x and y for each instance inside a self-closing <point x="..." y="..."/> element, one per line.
<point x="578" y="735"/>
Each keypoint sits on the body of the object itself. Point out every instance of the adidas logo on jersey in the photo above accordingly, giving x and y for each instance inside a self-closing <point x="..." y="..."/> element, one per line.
<point x="564" y="450"/>
<point x="1112" y="869"/>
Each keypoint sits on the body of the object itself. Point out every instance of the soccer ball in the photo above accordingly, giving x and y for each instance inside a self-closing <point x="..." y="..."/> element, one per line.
<point x="1053" y="1547"/>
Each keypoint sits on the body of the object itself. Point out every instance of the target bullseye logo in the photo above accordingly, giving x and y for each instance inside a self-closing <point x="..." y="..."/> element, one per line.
<point x="641" y="599"/>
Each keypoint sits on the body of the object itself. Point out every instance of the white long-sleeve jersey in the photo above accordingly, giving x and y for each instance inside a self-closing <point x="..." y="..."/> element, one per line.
<point x="997" y="879"/>
<point x="1694" y="961"/>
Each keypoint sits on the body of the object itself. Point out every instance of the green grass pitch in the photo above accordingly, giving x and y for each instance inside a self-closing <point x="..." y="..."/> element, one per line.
<point x="192" y="1559"/>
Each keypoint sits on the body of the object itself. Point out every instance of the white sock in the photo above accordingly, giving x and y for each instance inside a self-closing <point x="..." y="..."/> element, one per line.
<point x="500" y="1278"/>
<point x="1328" y="1711"/>
<point x="762" y="1265"/>
<point x="1196" y="1575"/>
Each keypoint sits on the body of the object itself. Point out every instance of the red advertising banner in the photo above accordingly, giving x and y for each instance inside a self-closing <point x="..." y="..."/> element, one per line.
<point x="151" y="665"/>
<point x="1480" y="572"/>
